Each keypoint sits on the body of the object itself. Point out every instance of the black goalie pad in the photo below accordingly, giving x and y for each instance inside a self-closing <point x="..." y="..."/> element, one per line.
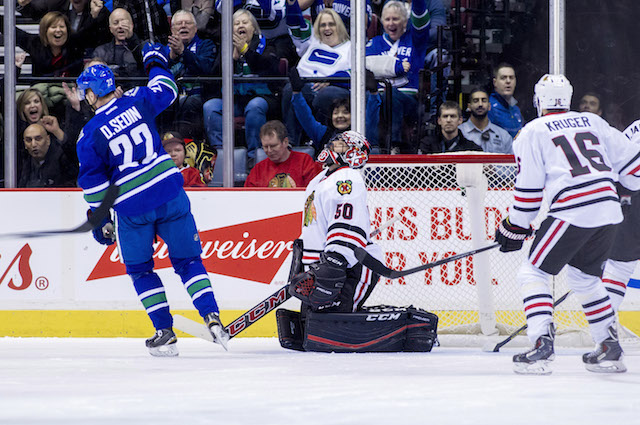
<point x="290" y="330"/>
<point x="376" y="329"/>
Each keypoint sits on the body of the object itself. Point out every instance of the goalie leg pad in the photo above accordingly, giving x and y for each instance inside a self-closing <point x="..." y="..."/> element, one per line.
<point x="377" y="329"/>
<point x="290" y="330"/>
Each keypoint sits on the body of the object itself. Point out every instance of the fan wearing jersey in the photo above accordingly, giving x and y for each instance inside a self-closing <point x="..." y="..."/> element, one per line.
<point x="121" y="145"/>
<point x="575" y="160"/>
<point x="335" y="220"/>
<point x="324" y="52"/>
<point x="399" y="55"/>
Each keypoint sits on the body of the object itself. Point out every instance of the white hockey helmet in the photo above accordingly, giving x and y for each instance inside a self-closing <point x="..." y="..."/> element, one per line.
<point x="552" y="92"/>
<point x="356" y="154"/>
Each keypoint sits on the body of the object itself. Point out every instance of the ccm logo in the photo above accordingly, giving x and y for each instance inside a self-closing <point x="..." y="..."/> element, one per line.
<point x="382" y="317"/>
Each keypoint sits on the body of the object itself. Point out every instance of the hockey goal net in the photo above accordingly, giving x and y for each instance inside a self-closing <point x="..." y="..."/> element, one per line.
<point x="448" y="204"/>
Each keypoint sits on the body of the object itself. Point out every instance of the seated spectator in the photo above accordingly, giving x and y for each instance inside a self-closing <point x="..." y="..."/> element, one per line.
<point x="449" y="138"/>
<point x="270" y="17"/>
<point x="253" y="100"/>
<point x="48" y="165"/>
<point x="329" y="41"/>
<point x="504" y="107"/>
<point x="399" y="55"/>
<point x="340" y="115"/>
<point x="176" y="149"/>
<point x="157" y="30"/>
<point x="190" y="56"/>
<point x="87" y="18"/>
<point x="282" y="167"/>
<point x="480" y="130"/>
<point x="207" y="20"/>
<point x="123" y="54"/>
<point x="438" y="94"/>
<point x="591" y="102"/>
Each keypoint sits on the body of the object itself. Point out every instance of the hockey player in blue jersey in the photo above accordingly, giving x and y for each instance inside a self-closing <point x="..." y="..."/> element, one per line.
<point x="121" y="145"/>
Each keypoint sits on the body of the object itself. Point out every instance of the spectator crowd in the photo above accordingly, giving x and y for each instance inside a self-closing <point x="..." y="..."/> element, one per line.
<point x="300" y="41"/>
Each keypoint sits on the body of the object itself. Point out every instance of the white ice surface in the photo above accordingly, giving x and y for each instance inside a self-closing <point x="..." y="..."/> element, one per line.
<point x="115" y="381"/>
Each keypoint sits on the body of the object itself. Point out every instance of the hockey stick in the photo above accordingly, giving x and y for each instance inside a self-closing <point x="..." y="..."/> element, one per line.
<point x="517" y="332"/>
<point x="94" y="220"/>
<point x="377" y="267"/>
<point x="256" y="313"/>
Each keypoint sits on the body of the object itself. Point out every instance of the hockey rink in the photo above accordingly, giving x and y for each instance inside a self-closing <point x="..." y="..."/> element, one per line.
<point x="115" y="381"/>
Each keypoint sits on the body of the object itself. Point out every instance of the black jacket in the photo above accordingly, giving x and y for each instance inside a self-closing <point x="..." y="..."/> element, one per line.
<point x="57" y="170"/>
<point x="437" y="144"/>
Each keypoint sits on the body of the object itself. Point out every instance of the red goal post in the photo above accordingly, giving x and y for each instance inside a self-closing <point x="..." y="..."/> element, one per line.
<point x="448" y="204"/>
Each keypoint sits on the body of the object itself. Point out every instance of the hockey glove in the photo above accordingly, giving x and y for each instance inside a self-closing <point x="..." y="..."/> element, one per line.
<point x="296" y="82"/>
<point x="511" y="237"/>
<point x="103" y="233"/>
<point x="155" y="54"/>
<point x="320" y="286"/>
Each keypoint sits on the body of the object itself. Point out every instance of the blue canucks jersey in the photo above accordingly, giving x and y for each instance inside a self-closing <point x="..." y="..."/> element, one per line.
<point x="412" y="45"/>
<point x="121" y="145"/>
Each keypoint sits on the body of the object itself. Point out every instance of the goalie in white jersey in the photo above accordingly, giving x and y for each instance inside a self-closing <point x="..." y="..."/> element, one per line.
<point x="336" y="219"/>
<point x="575" y="159"/>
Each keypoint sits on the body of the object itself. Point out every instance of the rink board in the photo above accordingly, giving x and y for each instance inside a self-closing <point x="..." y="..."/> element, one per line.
<point x="72" y="286"/>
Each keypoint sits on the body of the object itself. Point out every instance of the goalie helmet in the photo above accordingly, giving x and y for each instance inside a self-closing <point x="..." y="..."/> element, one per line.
<point x="552" y="92"/>
<point x="355" y="154"/>
<point x="99" y="78"/>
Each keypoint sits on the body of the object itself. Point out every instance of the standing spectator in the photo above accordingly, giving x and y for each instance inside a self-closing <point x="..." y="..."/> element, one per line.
<point x="591" y="102"/>
<point x="329" y="41"/>
<point x="404" y="44"/>
<point x="190" y="56"/>
<point x="123" y="54"/>
<point x="449" y="138"/>
<point x="342" y="8"/>
<point x="480" y="130"/>
<point x="150" y="22"/>
<point x="87" y="18"/>
<point x="48" y="165"/>
<point x="504" y="107"/>
<point x="253" y="100"/>
<point x="176" y="149"/>
<point x="282" y="167"/>
<point x="55" y="51"/>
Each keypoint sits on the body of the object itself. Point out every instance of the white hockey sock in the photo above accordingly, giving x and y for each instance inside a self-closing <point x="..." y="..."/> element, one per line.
<point x="615" y="277"/>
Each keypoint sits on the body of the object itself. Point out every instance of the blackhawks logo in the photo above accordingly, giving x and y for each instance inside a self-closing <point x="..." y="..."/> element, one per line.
<point x="309" y="210"/>
<point x="344" y="187"/>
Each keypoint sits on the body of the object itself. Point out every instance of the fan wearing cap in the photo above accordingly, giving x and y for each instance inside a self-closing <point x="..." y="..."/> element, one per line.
<point x="174" y="145"/>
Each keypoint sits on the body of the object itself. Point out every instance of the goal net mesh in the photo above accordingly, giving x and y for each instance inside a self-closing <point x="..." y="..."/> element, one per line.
<point x="437" y="201"/>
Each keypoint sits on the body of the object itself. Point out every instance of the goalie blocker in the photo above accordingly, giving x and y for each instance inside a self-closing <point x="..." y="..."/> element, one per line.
<point x="374" y="329"/>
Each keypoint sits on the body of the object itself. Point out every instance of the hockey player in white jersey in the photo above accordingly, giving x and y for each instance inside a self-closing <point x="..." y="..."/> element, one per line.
<point x="336" y="219"/>
<point x="625" y="252"/>
<point x="575" y="159"/>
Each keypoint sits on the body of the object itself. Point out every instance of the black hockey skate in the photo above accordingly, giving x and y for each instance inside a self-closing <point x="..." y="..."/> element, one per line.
<point x="607" y="356"/>
<point x="536" y="361"/>
<point x="163" y="343"/>
<point x="218" y="332"/>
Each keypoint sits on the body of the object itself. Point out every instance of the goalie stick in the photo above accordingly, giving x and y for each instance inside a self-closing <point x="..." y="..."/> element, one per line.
<point x="517" y="332"/>
<point x="257" y="312"/>
<point x="377" y="267"/>
<point x="94" y="220"/>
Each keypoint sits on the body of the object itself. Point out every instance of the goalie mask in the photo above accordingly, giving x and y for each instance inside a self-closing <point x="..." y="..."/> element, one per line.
<point x="552" y="92"/>
<point x="347" y="148"/>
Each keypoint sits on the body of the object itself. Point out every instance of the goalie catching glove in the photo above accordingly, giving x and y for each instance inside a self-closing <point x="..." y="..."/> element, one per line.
<point x="511" y="237"/>
<point x="320" y="286"/>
